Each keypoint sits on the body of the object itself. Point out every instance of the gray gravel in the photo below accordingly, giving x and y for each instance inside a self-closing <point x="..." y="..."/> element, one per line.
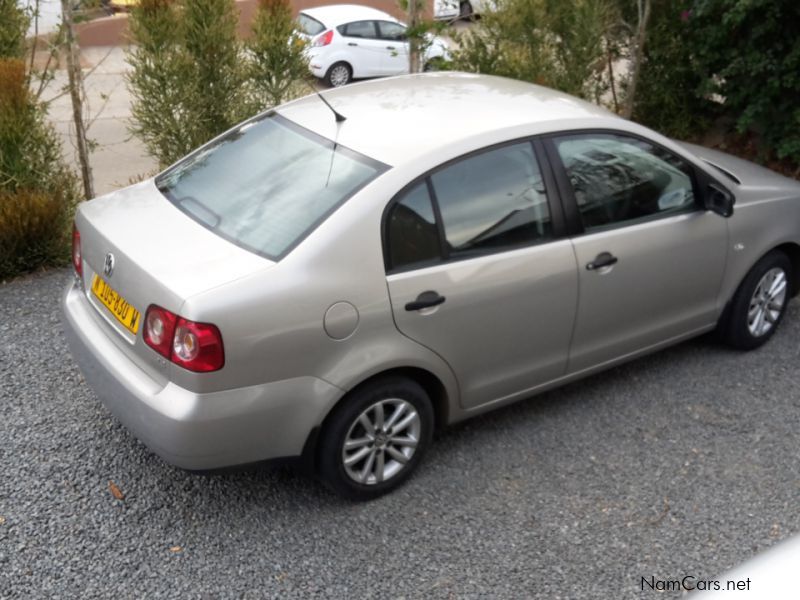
<point x="681" y="463"/>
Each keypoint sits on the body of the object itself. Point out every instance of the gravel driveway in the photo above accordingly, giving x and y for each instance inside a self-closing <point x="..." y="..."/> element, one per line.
<point x="683" y="463"/>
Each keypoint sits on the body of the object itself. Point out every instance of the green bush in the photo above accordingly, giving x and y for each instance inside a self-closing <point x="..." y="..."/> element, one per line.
<point x="277" y="64"/>
<point x="187" y="79"/>
<point x="38" y="193"/>
<point x="556" y="43"/>
<point x="667" y="97"/>
<point x="749" y="53"/>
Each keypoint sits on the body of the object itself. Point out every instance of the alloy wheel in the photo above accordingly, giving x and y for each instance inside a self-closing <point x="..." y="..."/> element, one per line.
<point x="381" y="441"/>
<point x="767" y="302"/>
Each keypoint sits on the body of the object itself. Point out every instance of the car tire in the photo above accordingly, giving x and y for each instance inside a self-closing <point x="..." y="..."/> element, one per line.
<point x="339" y="74"/>
<point x="759" y="304"/>
<point x="366" y="448"/>
<point x="465" y="10"/>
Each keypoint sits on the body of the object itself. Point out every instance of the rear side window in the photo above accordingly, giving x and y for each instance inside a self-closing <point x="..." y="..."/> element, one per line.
<point x="413" y="237"/>
<point x="309" y="25"/>
<point x="266" y="184"/>
<point x="359" y="29"/>
<point x="493" y="201"/>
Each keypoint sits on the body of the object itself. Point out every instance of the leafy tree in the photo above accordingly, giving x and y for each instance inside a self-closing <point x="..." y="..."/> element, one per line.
<point x="277" y="62"/>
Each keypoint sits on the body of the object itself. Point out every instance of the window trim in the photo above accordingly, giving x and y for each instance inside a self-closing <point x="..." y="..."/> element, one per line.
<point x="575" y="228"/>
<point x="552" y="195"/>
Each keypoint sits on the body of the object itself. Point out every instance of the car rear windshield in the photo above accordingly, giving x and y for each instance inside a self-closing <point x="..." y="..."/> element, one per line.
<point x="309" y="25"/>
<point x="266" y="184"/>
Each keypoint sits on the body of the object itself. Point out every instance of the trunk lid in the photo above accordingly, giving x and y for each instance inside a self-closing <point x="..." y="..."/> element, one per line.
<point x="160" y="256"/>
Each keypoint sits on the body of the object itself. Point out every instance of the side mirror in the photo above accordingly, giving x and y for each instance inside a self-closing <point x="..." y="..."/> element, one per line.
<point x="719" y="200"/>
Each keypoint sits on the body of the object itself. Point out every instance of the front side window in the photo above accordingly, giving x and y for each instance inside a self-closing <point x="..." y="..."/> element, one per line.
<point x="391" y="31"/>
<point x="618" y="179"/>
<point x="266" y="184"/>
<point x="493" y="201"/>
<point x="359" y="29"/>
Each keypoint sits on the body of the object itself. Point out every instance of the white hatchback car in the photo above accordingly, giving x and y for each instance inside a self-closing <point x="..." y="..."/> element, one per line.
<point x="347" y="42"/>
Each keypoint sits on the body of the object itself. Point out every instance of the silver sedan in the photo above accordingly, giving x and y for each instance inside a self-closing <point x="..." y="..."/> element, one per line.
<point x="333" y="280"/>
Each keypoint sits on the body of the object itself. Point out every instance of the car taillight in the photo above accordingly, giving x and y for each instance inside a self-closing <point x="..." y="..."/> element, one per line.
<point x="324" y="39"/>
<point x="77" y="259"/>
<point x="193" y="346"/>
<point x="197" y="346"/>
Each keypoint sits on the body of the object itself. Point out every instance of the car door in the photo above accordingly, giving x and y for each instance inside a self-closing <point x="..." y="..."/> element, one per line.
<point x="479" y="271"/>
<point x="395" y="50"/>
<point x="650" y="257"/>
<point x="364" y="50"/>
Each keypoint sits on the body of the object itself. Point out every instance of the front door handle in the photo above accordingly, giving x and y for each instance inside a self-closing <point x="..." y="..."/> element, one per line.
<point x="390" y="47"/>
<point x="425" y="300"/>
<point x="352" y="44"/>
<point x="604" y="259"/>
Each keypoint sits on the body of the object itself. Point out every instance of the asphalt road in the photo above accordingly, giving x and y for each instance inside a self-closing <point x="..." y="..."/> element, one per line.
<point x="683" y="463"/>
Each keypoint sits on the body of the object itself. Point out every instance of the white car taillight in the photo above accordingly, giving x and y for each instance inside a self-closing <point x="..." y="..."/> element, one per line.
<point x="323" y="40"/>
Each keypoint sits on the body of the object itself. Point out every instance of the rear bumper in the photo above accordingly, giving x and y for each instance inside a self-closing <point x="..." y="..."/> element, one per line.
<point x="190" y="430"/>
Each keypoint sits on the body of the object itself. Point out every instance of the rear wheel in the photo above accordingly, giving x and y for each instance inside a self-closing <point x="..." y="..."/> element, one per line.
<point x="465" y="10"/>
<point x="339" y="74"/>
<point x="376" y="438"/>
<point x="759" y="304"/>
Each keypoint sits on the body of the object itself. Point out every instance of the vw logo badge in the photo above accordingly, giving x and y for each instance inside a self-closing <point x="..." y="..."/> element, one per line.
<point x="108" y="265"/>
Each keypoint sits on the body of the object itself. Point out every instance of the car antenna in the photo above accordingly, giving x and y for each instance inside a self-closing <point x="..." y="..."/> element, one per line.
<point x="340" y="118"/>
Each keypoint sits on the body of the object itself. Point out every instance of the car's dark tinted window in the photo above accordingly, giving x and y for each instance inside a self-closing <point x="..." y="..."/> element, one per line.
<point x="266" y="184"/>
<point x="309" y="25"/>
<point x="618" y="179"/>
<point x="391" y="31"/>
<point x="493" y="201"/>
<point x="360" y="29"/>
<point x="413" y="237"/>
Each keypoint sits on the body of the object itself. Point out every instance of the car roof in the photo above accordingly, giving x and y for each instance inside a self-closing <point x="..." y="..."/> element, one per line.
<point x="395" y="119"/>
<point x="338" y="14"/>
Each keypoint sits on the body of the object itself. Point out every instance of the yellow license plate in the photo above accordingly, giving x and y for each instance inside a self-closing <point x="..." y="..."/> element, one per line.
<point x="119" y="307"/>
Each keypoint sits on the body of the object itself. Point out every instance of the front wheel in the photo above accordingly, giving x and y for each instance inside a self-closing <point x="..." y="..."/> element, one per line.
<point x="376" y="438"/>
<point x="759" y="304"/>
<point x="339" y="74"/>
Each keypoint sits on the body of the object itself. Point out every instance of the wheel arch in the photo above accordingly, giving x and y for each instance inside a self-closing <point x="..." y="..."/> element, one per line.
<point x="433" y="386"/>
<point x="792" y="250"/>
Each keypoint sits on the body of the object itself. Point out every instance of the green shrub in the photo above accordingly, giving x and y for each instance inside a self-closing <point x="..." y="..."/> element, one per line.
<point x="187" y="75"/>
<point x="749" y="52"/>
<point x="277" y="64"/>
<point x="667" y="97"/>
<point x="556" y="43"/>
<point x="37" y="191"/>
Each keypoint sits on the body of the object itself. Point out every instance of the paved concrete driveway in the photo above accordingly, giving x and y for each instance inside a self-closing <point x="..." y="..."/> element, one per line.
<point x="683" y="463"/>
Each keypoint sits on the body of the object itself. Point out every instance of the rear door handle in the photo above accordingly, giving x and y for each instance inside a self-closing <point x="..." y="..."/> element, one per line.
<point x="604" y="259"/>
<point x="352" y="44"/>
<point x="390" y="47"/>
<point x="425" y="300"/>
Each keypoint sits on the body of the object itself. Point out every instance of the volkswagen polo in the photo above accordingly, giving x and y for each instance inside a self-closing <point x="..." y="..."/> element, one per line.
<point x="334" y="279"/>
